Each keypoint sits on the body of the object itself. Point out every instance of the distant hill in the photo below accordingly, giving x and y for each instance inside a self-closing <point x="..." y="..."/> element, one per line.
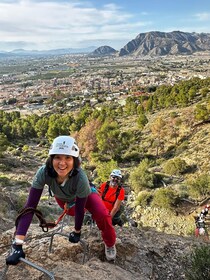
<point x="5" y="54"/>
<point x="103" y="51"/>
<point x="22" y="52"/>
<point x="157" y="43"/>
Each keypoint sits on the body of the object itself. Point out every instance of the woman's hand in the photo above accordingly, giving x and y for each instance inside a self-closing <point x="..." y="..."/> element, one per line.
<point x="16" y="254"/>
<point x="74" y="237"/>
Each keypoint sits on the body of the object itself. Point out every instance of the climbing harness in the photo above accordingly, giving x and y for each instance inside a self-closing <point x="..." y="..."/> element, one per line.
<point x="106" y="188"/>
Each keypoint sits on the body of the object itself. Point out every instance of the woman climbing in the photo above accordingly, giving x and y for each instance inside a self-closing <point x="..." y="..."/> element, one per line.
<point x="70" y="186"/>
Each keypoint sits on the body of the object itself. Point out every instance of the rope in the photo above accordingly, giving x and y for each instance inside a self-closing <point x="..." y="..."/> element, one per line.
<point x="43" y="224"/>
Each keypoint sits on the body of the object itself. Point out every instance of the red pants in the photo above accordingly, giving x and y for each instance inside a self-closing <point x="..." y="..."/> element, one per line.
<point x="101" y="216"/>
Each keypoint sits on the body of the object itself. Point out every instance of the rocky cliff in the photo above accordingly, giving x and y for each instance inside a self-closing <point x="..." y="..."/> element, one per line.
<point x="162" y="43"/>
<point x="142" y="254"/>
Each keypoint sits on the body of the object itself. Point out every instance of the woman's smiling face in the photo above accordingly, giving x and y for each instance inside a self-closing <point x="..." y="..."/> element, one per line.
<point x="63" y="164"/>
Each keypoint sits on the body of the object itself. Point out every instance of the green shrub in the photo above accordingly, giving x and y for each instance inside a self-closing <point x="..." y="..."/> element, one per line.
<point x="4" y="181"/>
<point x="199" y="186"/>
<point x="20" y="200"/>
<point x="164" y="198"/>
<point x="104" y="169"/>
<point x="4" y="143"/>
<point x="4" y="167"/>
<point x="143" y="199"/>
<point x="131" y="156"/>
<point x="173" y="115"/>
<point x="197" y="263"/>
<point x="10" y="149"/>
<point x="183" y="191"/>
<point x="141" y="178"/>
<point x="25" y="148"/>
<point x="201" y="112"/>
<point x="16" y="152"/>
<point x="175" y="166"/>
<point x="142" y="120"/>
<point x="182" y="147"/>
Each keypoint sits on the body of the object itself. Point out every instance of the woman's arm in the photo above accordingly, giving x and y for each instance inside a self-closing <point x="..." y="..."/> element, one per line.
<point x="115" y="208"/>
<point x="79" y="213"/>
<point x="25" y="220"/>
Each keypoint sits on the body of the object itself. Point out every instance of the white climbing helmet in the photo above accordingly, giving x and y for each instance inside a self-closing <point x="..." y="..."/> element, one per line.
<point x="116" y="173"/>
<point x="64" y="145"/>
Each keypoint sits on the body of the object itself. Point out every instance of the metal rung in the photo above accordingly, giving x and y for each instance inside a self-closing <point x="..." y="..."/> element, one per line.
<point x="4" y="273"/>
<point x="83" y="243"/>
<point x="51" y="239"/>
<point x="64" y="222"/>
<point x="85" y="246"/>
<point x="38" y="268"/>
<point x="51" y="276"/>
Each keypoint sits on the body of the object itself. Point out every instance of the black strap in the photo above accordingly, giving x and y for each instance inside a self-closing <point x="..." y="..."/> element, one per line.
<point x="106" y="190"/>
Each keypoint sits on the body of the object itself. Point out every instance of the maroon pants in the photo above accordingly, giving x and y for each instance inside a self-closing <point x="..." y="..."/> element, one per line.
<point x="101" y="216"/>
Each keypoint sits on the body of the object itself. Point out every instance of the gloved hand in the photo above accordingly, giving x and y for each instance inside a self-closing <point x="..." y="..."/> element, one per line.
<point x="16" y="254"/>
<point x="74" y="237"/>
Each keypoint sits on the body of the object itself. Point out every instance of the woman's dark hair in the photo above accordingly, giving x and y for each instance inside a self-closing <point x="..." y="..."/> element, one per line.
<point x="51" y="171"/>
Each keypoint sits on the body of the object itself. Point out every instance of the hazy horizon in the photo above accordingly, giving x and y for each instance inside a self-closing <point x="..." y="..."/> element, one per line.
<point x="60" y="24"/>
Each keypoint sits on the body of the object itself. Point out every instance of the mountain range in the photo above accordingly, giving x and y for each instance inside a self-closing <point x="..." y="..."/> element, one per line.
<point x="154" y="43"/>
<point x="22" y="52"/>
<point x="161" y="43"/>
<point x="157" y="43"/>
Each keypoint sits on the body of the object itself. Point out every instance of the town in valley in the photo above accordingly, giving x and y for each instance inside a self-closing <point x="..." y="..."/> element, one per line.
<point x="39" y="84"/>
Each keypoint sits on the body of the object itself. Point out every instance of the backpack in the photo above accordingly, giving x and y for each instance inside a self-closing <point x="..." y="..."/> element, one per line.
<point x="106" y="190"/>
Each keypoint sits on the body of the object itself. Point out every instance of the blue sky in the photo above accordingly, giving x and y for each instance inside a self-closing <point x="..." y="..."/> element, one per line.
<point x="51" y="24"/>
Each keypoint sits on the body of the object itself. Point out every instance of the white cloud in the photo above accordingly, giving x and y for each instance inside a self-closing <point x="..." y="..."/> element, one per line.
<point x="55" y="23"/>
<point x="203" y="16"/>
<point x="47" y="24"/>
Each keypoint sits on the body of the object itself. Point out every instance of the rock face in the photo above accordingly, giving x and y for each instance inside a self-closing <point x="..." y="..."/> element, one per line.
<point x="103" y="51"/>
<point x="161" y="43"/>
<point x="142" y="254"/>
